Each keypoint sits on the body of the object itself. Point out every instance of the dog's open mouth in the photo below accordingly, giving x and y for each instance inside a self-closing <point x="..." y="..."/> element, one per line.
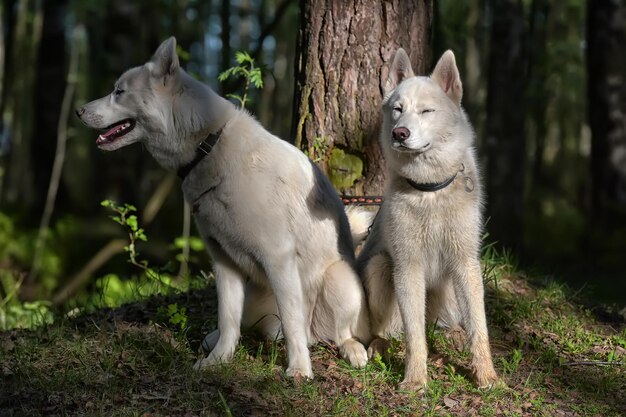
<point x="115" y="131"/>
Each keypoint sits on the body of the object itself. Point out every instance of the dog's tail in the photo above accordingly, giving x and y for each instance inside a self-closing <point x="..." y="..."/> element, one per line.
<point x="360" y="220"/>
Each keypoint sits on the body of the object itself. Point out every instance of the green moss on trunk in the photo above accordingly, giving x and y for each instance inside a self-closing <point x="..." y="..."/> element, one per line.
<point x="344" y="169"/>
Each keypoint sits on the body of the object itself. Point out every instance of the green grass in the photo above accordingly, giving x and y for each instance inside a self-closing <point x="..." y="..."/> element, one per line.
<point x="554" y="355"/>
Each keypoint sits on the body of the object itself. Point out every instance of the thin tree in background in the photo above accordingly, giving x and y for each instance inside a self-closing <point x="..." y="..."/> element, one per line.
<point x="50" y="87"/>
<point x="225" y="37"/>
<point x="18" y="104"/>
<point x="606" y="70"/>
<point x="537" y="100"/>
<point x="344" y="50"/>
<point x="2" y="132"/>
<point x="505" y="144"/>
<point x="77" y="38"/>
<point x="2" y="57"/>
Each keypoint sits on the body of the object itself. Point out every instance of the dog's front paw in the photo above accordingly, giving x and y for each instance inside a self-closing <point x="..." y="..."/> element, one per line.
<point x="354" y="352"/>
<point x="412" y="386"/>
<point x="483" y="372"/>
<point x="299" y="374"/>
<point x="487" y="379"/>
<point x="379" y="346"/>
<point x="214" y="358"/>
<point x="201" y="364"/>
<point x="207" y="362"/>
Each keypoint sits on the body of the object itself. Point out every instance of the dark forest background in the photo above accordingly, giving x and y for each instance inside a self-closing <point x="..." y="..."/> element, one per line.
<point x="544" y="83"/>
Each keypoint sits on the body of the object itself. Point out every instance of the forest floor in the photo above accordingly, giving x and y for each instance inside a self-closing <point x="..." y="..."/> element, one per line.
<point x="556" y="358"/>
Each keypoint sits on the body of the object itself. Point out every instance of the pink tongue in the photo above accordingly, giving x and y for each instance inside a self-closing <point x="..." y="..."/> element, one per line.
<point x="111" y="131"/>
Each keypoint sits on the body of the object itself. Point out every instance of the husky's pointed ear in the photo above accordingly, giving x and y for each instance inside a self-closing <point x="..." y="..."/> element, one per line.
<point x="400" y="70"/>
<point x="446" y="74"/>
<point x="164" y="62"/>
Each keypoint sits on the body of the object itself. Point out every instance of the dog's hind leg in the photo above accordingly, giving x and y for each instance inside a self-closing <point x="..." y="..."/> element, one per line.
<point x="210" y="341"/>
<point x="341" y="313"/>
<point x="230" y="285"/>
<point x="383" y="306"/>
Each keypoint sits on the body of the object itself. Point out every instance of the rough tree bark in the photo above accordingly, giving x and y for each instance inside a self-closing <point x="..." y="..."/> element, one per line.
<point x="505" y="144"/>
<point x="606" y="69"/>
<point x="344" y="50"/>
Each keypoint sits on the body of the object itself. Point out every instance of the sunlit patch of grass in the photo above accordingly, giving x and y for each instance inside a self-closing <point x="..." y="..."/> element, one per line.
<point x="497" y="263"/>
<point x="510" y="364"/>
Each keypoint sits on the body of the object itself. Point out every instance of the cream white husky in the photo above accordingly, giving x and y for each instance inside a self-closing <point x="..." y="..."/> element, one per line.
<point x="421" y="260"/>
<point x="273" y="224"/>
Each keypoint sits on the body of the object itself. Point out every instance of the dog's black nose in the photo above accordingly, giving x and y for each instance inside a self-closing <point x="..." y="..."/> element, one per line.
<point x="400" y="134"/>
<point x="80" y="111"/>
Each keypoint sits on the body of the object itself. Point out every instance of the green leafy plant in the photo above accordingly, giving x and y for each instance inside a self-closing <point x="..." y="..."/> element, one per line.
<point x="246" y="68"/>
<point x="124" y="216"/>
<point x="174" y="315"/>
<point x="114" y="290"/>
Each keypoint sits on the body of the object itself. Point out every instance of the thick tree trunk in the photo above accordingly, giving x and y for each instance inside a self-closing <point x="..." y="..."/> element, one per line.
<point x="505" y="143"/>
<point x="344" y="50"/>
<point x="606" y="69"/>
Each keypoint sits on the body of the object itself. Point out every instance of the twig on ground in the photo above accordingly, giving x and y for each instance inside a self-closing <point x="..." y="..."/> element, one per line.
<point x="591" y="363"/>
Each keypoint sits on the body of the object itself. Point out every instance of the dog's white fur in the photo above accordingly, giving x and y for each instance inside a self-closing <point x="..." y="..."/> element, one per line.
<point x="421" y="261"/>
<point x="273" y="224"/>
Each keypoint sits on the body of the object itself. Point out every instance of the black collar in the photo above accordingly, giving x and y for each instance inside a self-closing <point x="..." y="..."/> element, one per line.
<point x="431" y="186"/>
<point x="204" y="148"/>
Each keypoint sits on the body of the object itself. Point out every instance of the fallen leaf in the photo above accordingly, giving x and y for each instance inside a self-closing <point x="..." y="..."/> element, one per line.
<point x="450" y="402"/>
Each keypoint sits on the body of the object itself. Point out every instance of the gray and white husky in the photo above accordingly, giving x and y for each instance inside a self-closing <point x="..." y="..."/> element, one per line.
<point x="273" y="224"/>
<point x="421" y="260"/>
